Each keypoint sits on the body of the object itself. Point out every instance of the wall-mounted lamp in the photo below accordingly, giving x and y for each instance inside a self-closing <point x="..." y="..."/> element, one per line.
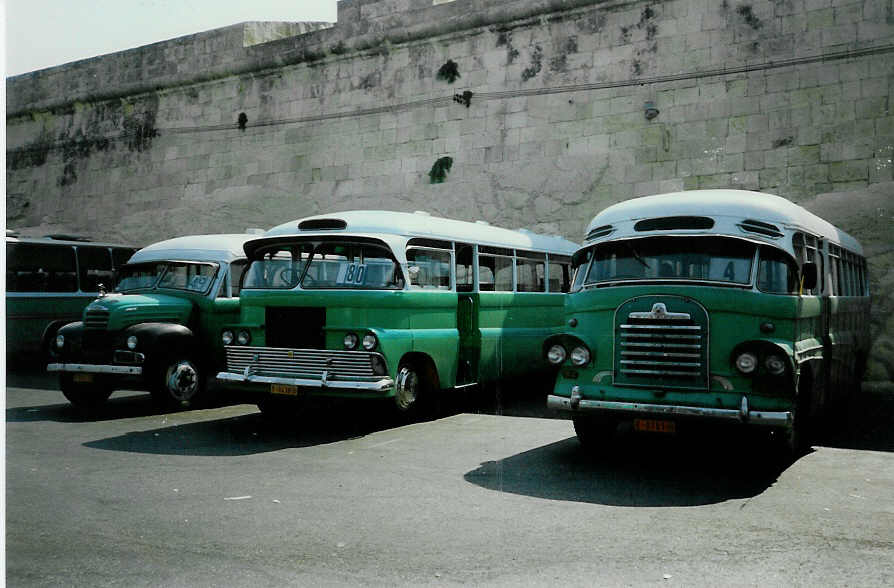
<point x="650" y="110"/>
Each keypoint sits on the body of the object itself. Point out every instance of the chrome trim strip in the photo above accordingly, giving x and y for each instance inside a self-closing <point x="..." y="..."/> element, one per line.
<point x="86" y="368"/>
<point x="742" y="414"/>
<point x="381" y="385"/>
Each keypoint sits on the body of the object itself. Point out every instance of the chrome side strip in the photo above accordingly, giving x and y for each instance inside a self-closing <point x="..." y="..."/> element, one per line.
<point x="742" y="414"/>
<point x="86" y="368"/>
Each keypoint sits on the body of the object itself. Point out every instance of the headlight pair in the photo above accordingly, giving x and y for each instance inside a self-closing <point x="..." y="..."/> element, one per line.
<point x="557" y="354"/>
<point x="241" y="337"/>
<point x="369" y="341"/>
<point x="747" y="363"/>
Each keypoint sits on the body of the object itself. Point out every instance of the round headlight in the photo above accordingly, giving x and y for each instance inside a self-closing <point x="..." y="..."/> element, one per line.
<point x="775" y="365"/>
<point x="60" y="341"/>
<point x="227" y="337"/>
<point x="556" y="354"/>
<point x="243" y="337"/>
<point x="132" y="342"/>
<point x="369" y="341"/>
<point x="350" y="341"/>
<point x="580" y="356"/>
<point x="746" y="362"/>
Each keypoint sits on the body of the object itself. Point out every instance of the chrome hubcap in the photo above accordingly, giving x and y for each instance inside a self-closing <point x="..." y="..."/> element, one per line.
<point x="407" y="386"/>
<point x="182" y="380"/>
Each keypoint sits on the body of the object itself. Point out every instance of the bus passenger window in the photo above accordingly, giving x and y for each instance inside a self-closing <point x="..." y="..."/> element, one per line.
<point x="465" y="276"/>
<point x="530" y="273"/>
<point x="776" y="272"/>
<point x="40" y="268"/>
<point x="429" y="269"/>
<point x="95" y="266"/>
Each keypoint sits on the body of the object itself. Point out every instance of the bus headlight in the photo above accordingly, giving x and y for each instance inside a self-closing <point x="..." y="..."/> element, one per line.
<point x="746" y="362"/>
<point x="132" y="342"/>
<point x="775" y="365"/>
<point x="350" y="341"/>
<point x="60" y="341"/>
<point x="227" y="337"/>
<point x="243" y="337"/>
<point x="556" y="354"/>
<point x="580" y="356"/>
<point x="369" y="341"/>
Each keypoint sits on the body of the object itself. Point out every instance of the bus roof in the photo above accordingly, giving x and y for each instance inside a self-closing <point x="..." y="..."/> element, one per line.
<point x="419" y="224"/>
<point x="218" y="248"/>
<point x="731" y="210"/>
<point x="56" y="240"/>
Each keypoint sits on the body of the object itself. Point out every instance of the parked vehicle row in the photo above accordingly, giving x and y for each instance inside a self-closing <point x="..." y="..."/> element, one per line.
<point x="717" y="305"/>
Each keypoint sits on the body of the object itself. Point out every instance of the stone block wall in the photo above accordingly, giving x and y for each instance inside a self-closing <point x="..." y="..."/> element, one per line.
<point x="785" y="96"/>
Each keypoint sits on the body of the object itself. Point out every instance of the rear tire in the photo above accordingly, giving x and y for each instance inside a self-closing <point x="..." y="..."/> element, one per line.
<point x="84" y="396"/>
<point x="180" y="382"/>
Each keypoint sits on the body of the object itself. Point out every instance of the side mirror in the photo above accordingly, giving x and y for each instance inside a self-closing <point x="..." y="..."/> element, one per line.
<point x="808" y="276"/>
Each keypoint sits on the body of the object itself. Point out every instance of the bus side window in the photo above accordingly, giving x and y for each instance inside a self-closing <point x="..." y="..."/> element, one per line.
<point x="237" y="268"/>
<point x="530" y="270"/>
<point x="776" y="273"/>
<point x="95" y="268"/>
<point x="429" y="269"/>
<point x="40" y="268"/>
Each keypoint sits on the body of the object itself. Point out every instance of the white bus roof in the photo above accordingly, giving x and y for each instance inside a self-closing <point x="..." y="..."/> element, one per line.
<point x="376" y="223"/>
<point x="217" y="248"/>
<point x="729" y="209"/>
<point x="12" y="237"/>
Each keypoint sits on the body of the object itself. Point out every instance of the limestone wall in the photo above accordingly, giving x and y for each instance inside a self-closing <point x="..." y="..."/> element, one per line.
<point x="785" y="96"/>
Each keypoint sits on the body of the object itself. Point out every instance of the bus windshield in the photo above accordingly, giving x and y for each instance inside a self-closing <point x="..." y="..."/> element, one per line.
<point x="325" y="265"/>
<point x="711" y="259"/>
<point x="192" y="277"/>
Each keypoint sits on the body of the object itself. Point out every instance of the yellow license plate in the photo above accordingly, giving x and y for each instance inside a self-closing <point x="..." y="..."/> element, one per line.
<point x="654" y="426"/>
<point x="284" y="389"/>
<point x="83" y="378"/>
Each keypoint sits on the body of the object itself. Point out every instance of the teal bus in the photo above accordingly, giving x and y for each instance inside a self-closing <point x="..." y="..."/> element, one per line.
<point x="159" y="329"/>
<point x="49" y="281"/>
<point x="379" y="304"/>
<point x="726" y="306"/>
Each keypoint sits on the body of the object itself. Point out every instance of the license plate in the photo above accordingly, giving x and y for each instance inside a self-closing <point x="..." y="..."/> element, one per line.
<point x="654" y="426"/>
<point x="82" y="378"/>
<point x="284" y="389"/>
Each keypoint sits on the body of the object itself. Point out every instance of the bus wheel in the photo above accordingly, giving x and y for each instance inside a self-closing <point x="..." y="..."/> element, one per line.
<point x="594" y="432"/>
<point x="84" y="396"/>
<point x="179" y="382"/>
<point x="414" y="394"/>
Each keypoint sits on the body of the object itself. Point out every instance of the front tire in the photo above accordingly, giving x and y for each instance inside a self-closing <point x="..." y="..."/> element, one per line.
<point x="84" y="396"/>
<point x="593" y="432"/>
<point x="415" y="396"/>
<point x="180" y="382"/>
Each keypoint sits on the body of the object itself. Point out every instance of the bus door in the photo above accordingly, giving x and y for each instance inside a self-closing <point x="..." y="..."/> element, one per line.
<point x="467" y="309"/>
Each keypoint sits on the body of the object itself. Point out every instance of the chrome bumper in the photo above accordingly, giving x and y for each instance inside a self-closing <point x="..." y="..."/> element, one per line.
<point x="87" y="368"/>
<point x="743" y="415"/>
<point x="382" y="384"/>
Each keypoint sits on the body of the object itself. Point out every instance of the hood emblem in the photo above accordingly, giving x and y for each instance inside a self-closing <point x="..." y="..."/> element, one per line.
<point x="659" y="312"/>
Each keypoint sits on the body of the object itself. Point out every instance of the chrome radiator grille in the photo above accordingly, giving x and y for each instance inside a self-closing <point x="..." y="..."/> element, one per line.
<point x="661" y="342"/>
<point x="96" y="320"/>
<point x="297" y="363"/>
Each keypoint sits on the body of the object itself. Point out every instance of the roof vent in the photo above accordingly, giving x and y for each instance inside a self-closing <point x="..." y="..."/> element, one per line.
<point x="672" y="223"/>
<point x="600" y="232"/>
<point x="761" y="228"/>
<point x="322" y="224"/>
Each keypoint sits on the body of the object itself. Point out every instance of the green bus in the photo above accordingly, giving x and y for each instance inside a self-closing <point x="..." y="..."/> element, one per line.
<point x="160" y="328"/>
<point x="49" y="281"/>
<point x="711" y="305"/>
<point x="379" y="304"/>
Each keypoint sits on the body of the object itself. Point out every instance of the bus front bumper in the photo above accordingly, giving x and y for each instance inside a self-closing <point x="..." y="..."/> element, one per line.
<point x="744" y="415"/>
<point x="87" y="368"/>
<point x="259" y="382"/>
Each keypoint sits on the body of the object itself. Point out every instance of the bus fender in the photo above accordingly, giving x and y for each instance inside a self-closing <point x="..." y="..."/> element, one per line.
<point x="426" y="366"/>
<point x="48" y="339"/>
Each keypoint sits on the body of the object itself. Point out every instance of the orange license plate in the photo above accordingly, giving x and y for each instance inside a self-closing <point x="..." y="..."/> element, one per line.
<point x="82" y="378"/>
<point x="284" y="389"/>
<point x="654" y="426"/>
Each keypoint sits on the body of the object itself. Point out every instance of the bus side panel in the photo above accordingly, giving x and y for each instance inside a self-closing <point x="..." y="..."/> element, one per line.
<point x="513" y="327"/>
<point x="28" y="315"/>
<point x="433" y="325"/>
